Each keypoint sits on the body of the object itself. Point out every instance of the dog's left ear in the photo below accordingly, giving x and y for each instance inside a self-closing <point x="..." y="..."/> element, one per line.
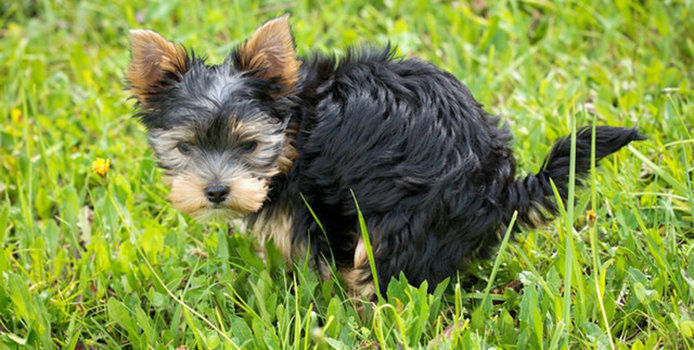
<point x="270" y="53"/>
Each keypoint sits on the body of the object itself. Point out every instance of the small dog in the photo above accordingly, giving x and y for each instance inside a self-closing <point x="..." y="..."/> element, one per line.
<point x="265" y="133"/>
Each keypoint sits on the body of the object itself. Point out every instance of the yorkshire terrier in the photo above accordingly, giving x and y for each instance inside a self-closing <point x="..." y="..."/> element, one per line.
<point x="276" y="140"/>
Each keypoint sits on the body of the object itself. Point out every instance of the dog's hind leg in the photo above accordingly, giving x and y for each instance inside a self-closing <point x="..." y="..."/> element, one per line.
<point x="358" y="279"/>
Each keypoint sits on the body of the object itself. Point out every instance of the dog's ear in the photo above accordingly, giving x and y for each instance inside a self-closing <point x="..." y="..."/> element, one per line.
<point x="155" y="62"/>
<point x="270" y="53"/>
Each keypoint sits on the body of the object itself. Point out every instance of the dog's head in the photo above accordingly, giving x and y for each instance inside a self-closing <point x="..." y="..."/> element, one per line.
<point x="219" y="131"/>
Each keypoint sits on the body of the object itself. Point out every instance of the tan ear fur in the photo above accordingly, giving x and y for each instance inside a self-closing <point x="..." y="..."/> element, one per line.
<point x="270" y="51"/>
<point x="152" y="57"/>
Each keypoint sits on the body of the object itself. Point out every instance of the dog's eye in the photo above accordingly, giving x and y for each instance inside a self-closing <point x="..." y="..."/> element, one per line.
<point x="184" y="148"/>
<point x="248" y="146"/>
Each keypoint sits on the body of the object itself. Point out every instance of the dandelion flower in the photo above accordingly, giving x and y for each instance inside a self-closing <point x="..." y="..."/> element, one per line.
<point x="100" y="166"/>
<point x="590" y="215"/>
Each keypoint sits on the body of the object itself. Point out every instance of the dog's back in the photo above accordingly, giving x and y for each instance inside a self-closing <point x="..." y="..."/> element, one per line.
<point x="432" y="172"/>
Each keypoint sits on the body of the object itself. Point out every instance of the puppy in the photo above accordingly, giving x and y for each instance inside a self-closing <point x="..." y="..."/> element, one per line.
<point x="276" y="139"/>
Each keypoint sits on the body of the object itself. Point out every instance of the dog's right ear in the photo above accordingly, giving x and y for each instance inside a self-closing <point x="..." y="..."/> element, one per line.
<point x="155" y="63"/>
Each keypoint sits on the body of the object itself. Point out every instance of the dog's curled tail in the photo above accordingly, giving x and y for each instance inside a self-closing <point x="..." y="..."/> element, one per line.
<point x="533" y="197"/>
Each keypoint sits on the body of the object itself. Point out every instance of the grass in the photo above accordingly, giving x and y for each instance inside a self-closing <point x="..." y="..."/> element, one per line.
<point x="105" y="262"/>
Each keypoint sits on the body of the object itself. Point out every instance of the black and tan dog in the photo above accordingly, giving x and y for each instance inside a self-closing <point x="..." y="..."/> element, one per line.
<point x="433" y="173"/>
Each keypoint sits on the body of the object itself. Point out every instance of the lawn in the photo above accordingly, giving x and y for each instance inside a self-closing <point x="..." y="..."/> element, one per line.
<point x="105" y="262"/>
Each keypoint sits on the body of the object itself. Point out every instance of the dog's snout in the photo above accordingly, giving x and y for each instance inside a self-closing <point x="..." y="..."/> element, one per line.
<point x="216" y="193"/>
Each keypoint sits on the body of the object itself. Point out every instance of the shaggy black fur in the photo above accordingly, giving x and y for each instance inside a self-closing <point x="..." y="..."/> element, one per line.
<point x="433" y="173"/>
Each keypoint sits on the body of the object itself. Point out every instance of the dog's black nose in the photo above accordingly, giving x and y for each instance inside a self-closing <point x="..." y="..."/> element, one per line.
<point x="216" y="193"/>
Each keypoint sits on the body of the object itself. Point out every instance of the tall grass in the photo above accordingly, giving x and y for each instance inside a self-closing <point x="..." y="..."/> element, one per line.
<point x="91" y="261"/>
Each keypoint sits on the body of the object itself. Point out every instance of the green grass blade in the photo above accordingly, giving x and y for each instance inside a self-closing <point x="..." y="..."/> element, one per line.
<point x="367" y="245"/>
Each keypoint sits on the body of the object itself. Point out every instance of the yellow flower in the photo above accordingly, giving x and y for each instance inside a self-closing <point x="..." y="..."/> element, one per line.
<point x="15" y="115"/>
<point x="100" y="166"/>
<point x="590" y="215"/>
<point x="16" y="118"/>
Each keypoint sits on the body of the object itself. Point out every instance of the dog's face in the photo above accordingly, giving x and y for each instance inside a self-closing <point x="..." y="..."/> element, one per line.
<point x="219" y="131"/>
